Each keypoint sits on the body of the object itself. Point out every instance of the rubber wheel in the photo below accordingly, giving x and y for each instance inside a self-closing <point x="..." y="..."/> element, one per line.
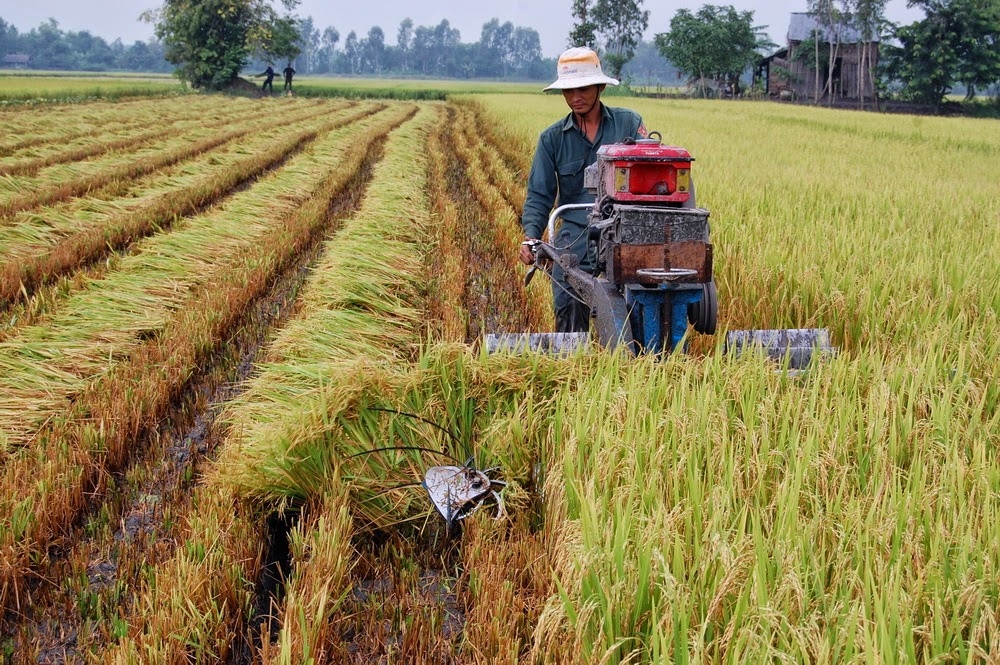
<point x="704" y="314"/>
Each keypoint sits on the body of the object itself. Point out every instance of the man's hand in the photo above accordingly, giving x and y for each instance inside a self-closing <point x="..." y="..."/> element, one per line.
<point x="527" y="253"/>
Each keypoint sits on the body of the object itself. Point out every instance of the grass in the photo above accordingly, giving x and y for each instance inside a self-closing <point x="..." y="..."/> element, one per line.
<point x="414" y="86"/>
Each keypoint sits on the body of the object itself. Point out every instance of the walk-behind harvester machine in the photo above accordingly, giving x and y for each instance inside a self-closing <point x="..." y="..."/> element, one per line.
<point x="653" y="274"/>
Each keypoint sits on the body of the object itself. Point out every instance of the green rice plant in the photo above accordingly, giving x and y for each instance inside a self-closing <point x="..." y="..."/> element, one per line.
<point x="34" y="90"/>
<point x="717" y="510"/>
<point x="842" y="243"/>
<point x="419" y="89"/>
<point x="731" y="516"/>
<point x="347" y="92"/>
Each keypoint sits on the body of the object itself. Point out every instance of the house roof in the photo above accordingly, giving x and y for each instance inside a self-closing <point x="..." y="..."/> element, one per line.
<point x="16" y="59"/>
<point x="802" y="24"/>
<point x="780" y="54"/>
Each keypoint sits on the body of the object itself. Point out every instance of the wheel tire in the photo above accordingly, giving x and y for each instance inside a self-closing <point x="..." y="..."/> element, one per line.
<point x="704" y="314"/>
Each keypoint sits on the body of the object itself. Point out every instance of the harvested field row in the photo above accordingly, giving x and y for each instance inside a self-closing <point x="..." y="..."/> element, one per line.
<point x="149" y="285"/>
<point x="44" y="365"/>
<point x="106" y="582"/>
<point x="217" y="261"/>
<point x="27" y="127"/>
<point x="447" y="266"/>
<point x="117" y="138"/>
<point x="509" y="158"/>
<point x="62" y="181"/>
<point x="489" y="230"/>
<point x="79" y="594"/>
<point x="46" y="245"/>
<point x="359" y="266"/>
<point x="34" y="230"/>
<point x="280" y="456"/>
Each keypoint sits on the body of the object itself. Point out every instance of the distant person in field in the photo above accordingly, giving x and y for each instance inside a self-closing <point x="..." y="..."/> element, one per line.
<point x="289" y="73"/>
<point x="268" y="84"/>
<point x="564" y="150"/>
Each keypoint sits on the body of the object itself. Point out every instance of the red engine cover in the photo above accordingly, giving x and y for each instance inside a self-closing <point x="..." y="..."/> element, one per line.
<point x="644" y="172"/>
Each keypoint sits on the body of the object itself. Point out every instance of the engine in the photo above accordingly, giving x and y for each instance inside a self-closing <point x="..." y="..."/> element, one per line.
<point x="647" y="228"/>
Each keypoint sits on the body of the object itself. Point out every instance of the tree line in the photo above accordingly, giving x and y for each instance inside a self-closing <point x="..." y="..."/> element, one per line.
<point x="209" y="42"/>
<point x="502" y="51"/>
<point x="956" y="46"/>
<point x="957" y="43"/>
<point x="49" y="47"/>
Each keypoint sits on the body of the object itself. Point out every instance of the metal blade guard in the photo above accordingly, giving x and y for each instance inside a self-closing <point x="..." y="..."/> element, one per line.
<point x="793" y="347"/>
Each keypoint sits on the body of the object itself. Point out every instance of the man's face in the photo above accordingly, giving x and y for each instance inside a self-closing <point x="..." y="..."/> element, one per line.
<point x="581" y="100"/>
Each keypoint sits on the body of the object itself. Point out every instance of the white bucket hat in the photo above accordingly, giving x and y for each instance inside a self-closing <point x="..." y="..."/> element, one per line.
<point x="579" y="67"/>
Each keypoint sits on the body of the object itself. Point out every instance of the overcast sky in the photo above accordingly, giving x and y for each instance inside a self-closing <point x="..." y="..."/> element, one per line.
<point x="551" y="18"/>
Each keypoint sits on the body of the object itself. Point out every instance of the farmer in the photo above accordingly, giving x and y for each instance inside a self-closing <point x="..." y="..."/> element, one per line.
<point x="268" y="84"/>
<point x="289" y="73"/>
<point x="564" y="150"/>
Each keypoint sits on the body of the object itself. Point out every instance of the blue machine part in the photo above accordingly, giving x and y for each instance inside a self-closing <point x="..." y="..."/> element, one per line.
<point x="649" y="306"/>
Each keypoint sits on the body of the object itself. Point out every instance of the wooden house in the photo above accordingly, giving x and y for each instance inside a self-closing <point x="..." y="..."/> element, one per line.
<point x="16" y="60"/>
<point x="790" y="72"/>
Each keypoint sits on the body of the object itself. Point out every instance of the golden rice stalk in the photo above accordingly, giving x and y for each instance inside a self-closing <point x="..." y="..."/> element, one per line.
<point x="121" y="221"/>
<point x="322" y="558"/>
<point x="63" y="181"/>
<point x="48" y="490"/>
<point x="359" y="301"/>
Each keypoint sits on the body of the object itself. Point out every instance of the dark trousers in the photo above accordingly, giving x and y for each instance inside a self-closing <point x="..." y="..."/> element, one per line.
<point x="573" y="317"/>
<point x="571" y="314"/>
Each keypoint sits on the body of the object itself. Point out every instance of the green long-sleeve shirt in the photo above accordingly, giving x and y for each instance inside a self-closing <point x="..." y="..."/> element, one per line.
<point x="562" y="154"/>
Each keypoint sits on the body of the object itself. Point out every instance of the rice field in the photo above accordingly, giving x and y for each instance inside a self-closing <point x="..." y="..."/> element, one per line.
<point x="29" y="88"/>
<point x="236" y="333"/>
